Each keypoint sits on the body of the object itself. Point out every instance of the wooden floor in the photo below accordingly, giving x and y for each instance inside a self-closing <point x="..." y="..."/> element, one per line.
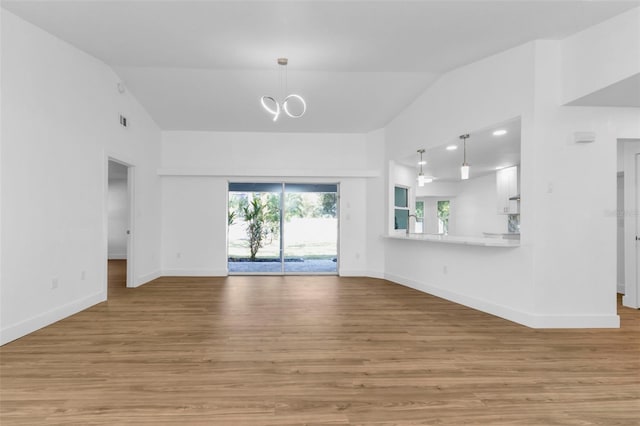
<point x="313" y="351"/>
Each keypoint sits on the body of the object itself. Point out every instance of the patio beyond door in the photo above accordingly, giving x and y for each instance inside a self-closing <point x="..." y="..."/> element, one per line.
<point x="280" y="228"/>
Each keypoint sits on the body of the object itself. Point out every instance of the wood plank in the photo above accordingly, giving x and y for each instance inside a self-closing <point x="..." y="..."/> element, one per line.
<point x="312" y="350"/>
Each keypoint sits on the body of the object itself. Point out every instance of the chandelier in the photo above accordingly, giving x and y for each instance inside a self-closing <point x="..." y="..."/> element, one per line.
<point x="273" y="107"/>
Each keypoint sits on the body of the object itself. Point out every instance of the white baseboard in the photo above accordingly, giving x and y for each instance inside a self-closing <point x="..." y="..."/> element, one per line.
<point x="620" y="288"/>
<point x="117" y="256"/>
<point x="15" y="331"/>
<point x="528" y="319"/>
<point x="195" y="273"/>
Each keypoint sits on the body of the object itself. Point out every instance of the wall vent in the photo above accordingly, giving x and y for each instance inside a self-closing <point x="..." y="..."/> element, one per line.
<point x="123" y="121"/>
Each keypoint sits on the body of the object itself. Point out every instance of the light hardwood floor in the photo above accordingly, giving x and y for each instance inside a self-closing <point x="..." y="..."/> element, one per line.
<point x="315" y="351"/>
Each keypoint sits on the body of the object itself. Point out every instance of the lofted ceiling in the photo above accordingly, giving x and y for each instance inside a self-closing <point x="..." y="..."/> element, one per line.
<point x="203" y="65"/>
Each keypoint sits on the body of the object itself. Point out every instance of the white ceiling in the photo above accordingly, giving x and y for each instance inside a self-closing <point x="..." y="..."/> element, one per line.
<point x="485" y="153"/>
<point x="203" y="65"/>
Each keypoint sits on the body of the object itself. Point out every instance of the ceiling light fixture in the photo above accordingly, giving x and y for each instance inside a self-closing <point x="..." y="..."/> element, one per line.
<point x="452" y="147"/>
<point x="500" y="132"/>
<point x="273" y="107"/>
<point x="464" y="169"/>
<point x="421" y="178"/>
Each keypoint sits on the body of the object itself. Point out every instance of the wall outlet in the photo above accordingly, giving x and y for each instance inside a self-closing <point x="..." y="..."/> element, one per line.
<point x="54" y="283"/>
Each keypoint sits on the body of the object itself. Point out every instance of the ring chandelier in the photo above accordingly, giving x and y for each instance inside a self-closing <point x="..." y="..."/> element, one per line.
<point x="273" y="107"/>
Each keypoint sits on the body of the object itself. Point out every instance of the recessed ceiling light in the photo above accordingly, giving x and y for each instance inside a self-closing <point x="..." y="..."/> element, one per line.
<point x="452" y="147"/>
<point x="500" y="132"/>
<point x="422" y="163"/>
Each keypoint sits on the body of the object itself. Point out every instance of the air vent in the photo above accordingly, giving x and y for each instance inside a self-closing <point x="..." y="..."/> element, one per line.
<point x="123" y="121"/>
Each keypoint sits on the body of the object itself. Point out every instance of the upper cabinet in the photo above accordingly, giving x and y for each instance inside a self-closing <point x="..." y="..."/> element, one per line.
<point x="508" y="192"/>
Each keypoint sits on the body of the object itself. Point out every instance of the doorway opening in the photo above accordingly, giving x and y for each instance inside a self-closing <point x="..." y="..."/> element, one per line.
<point x="282" y="228"/>
<point x="628" y="226"/>
<point x="119" y="219"/>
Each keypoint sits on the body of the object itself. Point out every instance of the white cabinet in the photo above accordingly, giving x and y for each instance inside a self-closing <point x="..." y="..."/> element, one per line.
<point x="507" y="187"/>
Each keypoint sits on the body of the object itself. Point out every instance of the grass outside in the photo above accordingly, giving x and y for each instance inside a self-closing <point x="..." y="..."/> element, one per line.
<point x="309" y="238"/>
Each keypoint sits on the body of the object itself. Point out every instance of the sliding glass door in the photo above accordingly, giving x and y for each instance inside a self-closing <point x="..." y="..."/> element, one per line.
<point x="254" y="227"/>
<point x="283" y="228"/>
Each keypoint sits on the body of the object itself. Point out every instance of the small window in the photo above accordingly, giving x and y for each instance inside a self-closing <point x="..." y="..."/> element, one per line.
<point x="401" y="197"/>
<point x="401" y="210"/>
<point x="443" y="217"/>
<point x="419" y="216"/>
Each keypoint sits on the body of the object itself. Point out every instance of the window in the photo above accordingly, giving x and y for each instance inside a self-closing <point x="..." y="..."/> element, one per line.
<point x="401" y="207"/>
<point x="443" y="217"/>
<point x="419" y="216"/>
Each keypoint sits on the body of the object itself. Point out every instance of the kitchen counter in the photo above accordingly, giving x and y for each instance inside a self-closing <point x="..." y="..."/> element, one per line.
<point x="455" y="239"/>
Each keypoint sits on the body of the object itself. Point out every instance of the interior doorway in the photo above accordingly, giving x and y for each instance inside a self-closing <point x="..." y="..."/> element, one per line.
<point x="119" y="224"/>
<point x="283" y="228"/>
<point x="628" y="215"/>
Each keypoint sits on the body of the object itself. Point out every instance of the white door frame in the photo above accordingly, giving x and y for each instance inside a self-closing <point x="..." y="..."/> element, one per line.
<point x="130" y="217"/>
<point x="631" y="158"/>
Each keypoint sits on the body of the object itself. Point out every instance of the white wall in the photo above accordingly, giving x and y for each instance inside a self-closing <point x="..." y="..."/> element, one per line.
<point x="439" y="189"/>
<point x="59" y="125"/>
<point x="474" y="210"/>
<point x="563" y="274"/>
<point x="601" y="55"/>
<point x="118" y="217"/>
<point x="195" y="207"/>
<point x="574" y="260"/>
<point x="473" y="97"/>
<point x="489" y="91"/>
<point x="375" y="213"/>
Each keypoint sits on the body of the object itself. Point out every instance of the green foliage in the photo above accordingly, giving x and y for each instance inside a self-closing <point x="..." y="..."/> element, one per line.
<point x="443" y="214"/>
<point x="237" y="202"/>
<point x="329" y="204"/>
<point x="295" y="206"/>
<point x="260" y="213"/>
<point x="254" y="216"/>
<point x="271" y="214"/>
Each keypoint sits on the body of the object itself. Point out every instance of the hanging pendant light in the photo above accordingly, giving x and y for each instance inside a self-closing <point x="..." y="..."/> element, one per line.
<point x="464" y="169"/>
<point x="421" y="178"/>
<point x="273" y="107"/>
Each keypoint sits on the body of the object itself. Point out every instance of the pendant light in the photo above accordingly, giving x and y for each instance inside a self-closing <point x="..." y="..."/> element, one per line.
<point x="464" y="169"/>
<point x="421" y="178"/>
<point x="273" y="107"/>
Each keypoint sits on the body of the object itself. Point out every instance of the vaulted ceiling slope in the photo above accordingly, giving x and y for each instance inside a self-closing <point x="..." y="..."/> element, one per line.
<point x="203" y="65"/>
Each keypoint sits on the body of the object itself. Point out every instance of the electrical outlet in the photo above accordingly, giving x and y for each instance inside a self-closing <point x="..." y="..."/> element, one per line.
<point x="54" y="283"/>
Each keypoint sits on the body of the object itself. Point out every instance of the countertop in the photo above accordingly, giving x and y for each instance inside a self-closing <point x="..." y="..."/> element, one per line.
<point x="455" y="239"/>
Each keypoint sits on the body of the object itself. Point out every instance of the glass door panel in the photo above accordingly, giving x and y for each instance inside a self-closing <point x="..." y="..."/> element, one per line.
<point x="255" y="228"/>
<point x="310" y="237"/>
